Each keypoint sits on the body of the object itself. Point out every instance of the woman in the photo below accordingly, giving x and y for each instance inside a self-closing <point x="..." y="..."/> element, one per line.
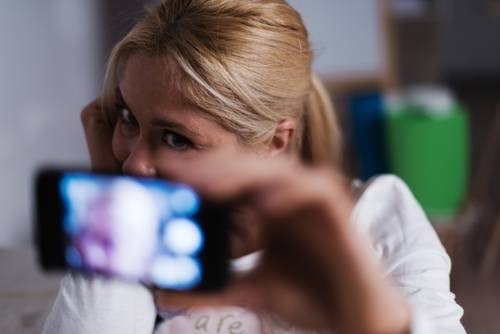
<point x="220" y="94"/>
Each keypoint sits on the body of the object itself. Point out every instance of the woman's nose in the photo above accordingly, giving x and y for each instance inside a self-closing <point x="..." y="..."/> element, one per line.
<point x="139" y="162"/>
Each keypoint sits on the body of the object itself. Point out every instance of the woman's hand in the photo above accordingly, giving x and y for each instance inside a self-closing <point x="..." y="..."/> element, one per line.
<point x="99" y="134"/>
<point x="316" y="271"/>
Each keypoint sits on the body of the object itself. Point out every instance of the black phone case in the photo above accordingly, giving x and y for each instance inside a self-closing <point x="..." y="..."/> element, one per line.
<point x="50" y="238"/>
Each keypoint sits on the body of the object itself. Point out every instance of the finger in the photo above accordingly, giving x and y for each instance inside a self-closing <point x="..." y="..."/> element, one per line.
<point x="277" y="187"/>
<point x="318" y="192"/>
<point x="98" y="135"/>
<point x="237" y="177"/>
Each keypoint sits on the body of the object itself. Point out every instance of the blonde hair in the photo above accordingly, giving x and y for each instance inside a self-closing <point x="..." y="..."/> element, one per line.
<point x="247" y="64"/>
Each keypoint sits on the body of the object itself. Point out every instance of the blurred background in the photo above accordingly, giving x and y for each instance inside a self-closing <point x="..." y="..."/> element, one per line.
<point x="416" y="84"/>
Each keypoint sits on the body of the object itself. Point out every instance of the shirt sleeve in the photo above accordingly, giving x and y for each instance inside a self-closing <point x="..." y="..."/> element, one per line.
<point x="409" y="248"/>
<point x="87" y="305"/>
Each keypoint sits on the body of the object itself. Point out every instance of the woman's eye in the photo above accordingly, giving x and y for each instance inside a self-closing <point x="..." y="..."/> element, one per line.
<point x="127" y="117"/>
<point x="176" y="141"/>
<point x="127" y="123"/>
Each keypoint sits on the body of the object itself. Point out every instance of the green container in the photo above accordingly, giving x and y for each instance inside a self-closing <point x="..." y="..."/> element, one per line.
<point x="431" y="154"/>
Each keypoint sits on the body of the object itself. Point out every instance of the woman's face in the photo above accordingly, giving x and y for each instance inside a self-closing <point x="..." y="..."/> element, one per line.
<point x="158" y="135"/>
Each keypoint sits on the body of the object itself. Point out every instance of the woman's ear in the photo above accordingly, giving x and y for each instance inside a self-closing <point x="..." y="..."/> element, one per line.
<point x="282" y="136"/>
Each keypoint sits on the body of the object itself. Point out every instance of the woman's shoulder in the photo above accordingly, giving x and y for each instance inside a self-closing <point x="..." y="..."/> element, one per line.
<point x="383" y="197"/>
<point x="382" y="193"/>
<point x="396" y="223"/>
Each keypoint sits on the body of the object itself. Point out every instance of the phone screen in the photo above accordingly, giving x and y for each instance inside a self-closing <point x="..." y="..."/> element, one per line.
<point x="139" y="229"/>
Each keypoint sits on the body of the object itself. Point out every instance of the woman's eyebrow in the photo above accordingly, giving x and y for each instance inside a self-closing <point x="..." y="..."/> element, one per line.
<point x="173" y="125"/>
<point x="158" y="122"/>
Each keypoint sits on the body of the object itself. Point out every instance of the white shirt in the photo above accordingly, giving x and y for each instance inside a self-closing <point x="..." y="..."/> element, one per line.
<point x="402" y="239"/>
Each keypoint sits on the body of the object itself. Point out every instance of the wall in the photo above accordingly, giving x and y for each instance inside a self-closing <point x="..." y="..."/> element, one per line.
<point x="346" y="35"/>
<point x="471" y="45"/>
<point x="50" y="66"/>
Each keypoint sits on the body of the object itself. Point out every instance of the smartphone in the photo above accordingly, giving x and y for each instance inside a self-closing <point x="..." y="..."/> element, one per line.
<point x="144" y="230"/>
